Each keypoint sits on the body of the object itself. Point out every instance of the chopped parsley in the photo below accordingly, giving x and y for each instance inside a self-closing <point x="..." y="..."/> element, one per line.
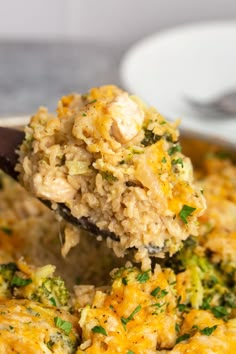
<point x="169" y="138"/>
<point x="159" y="293"/>
<point x="206" y="303"/>
<point x="155" y="291"/>
<point x="17" y="281"/>
<point x="150" y="137"/>
<point x="207" y="331"/>
<point x="178" y="161"/>
<point x="130" y="352"/>
<point x="91" y="102"/>
<point x="124" y="281"/>
<point x="62" y="324"/>
<point x="157" y="304"/>
<point x="164" y="160"/>
<point x="219" y="311"/>
<point x="183" y="337"/>
<point x="6" y="230"/>
<point x="195" y="327"/>
<point x="181" y="307"/>
<point x="162" y="293"/>
<point x="177" y="328"/>
<point x="53" y="301"/>
<point x="175" y="148"/>
<point x="99" y="329"/>
<point x="108" y="176"/>
<point x="50" y="344"/>
<point x="143" y="277"/>
<point x="125" y="320"/>
<point x="185" y="212"/>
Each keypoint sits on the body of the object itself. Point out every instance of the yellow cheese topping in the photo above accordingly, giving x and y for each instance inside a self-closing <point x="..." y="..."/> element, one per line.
<point x="27" y="327"/>
<point x="138" y="313"/>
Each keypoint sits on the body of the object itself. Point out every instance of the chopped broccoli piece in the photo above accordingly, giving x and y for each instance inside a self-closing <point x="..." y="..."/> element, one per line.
<point x="7" y="272"/>
<point x="52" y="291"/>
<point x="208" y="288"/>
<point x="41" y="286"/>
<point x="108" y="176"/>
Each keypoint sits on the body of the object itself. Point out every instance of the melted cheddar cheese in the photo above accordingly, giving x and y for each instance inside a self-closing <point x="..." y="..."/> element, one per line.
<point x="27" y="327"/>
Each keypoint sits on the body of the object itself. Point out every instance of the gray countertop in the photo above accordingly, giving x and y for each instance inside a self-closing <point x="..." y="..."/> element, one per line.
<point x="33" y="74"/>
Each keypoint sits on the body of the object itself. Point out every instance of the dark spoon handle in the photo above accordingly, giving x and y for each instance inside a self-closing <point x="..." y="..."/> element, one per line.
<point x="84" y="223"/>
<point x="10" y="139"/>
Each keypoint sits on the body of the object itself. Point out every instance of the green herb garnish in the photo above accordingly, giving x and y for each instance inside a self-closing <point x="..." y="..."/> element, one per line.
<point x="17" y="281"/>
<point x="6" y="230"/>
<point x="185" y="212"/>
<point x="219" y="311"/>
<point x="50" y="344"/>
<point x="53" y="301"/>
<point x="143" y="277"/>
<point x="91" y="102"/>
<point x="206" y="303"/>
<point x="125" y="320"/>
<point x="183" y="337"/>
<point x="108" y="176"/>
<point x="178" y="161"/>
<point x="157" y="304"/>
<point x="155" y="291"/>
<point x="99" y="329"/>
<point x="64" y="325"/>
<point x="150" y="137"/>
<point x="175" y="148"/>
<point x="160" y="293"/>
<point x="207" y="331"/>
<point x="177" y="328"/>
<point x="124" y="281"/>
<point x="181" y="307"/>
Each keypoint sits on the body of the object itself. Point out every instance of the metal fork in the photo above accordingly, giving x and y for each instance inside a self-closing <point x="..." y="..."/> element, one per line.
<point x="223" y="105"/>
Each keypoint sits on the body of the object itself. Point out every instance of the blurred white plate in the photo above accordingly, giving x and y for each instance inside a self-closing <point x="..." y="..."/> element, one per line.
<point x="14" y="121"/>
<point x="196" y="61"/>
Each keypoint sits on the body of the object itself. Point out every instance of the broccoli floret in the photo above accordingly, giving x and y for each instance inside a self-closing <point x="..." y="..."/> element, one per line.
<point x="38" y="284"/>
<point x="52" y="291"/>
<point x="7" y="272"/>
<point x="208" y="287"/>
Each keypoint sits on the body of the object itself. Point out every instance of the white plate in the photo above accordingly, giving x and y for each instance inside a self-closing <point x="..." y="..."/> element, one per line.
<point x="197" y="61"/>
<point x="14" y="121"/>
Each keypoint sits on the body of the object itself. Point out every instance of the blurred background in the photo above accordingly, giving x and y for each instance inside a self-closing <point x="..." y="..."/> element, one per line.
<point x="51" y="47"/>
